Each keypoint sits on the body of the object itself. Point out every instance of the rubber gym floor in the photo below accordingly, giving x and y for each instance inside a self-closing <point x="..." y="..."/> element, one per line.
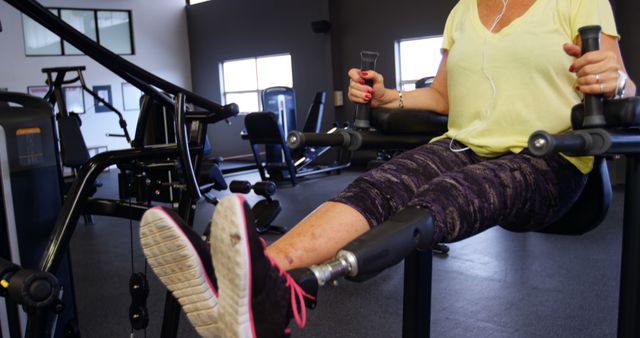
<point x="496" y="284"/>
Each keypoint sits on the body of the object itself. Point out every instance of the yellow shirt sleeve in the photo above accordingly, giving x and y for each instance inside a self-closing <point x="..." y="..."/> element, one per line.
<point x="592" y="12"/>
<point x="447" y="35"/>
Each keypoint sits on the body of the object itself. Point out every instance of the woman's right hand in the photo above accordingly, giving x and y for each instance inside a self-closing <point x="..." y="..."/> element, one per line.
<point x="359" y="92"/>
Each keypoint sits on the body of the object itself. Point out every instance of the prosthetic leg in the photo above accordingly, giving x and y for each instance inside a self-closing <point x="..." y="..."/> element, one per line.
<point x="407" y="235"/>
<point x="380" y="248"/>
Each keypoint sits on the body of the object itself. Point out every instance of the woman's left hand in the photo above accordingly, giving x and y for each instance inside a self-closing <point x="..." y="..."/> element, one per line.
<point x="597" y="71"/>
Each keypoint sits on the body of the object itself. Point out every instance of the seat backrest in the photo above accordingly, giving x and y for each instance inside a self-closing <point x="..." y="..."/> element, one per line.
<point x="282" y="102"/>
<point x="155" y="124"/>
<point x="313" y="123"/>
<point x="425" y="82"/>
<point x="263" y="128"/>
<point x="72" y="146"/>
<point x="591" y="207"/>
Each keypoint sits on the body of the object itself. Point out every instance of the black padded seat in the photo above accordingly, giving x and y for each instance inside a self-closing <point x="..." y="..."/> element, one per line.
<point x="590" y="208"/>
<point x="586" y="213"/>
<point x="263" y="128"/>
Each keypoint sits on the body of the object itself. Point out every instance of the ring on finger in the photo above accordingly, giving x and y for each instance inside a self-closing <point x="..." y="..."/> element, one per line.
<point x="601" y="88"/>
<point x="597" y="78"/>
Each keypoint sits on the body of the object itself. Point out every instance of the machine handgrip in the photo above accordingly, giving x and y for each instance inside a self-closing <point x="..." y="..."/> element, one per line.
<point x="299" y="140"/>
<point x="363" y="110"/>
<point x="542" y="143"/>
<point x="594" y="117"/>
<point x="242" y="187"/>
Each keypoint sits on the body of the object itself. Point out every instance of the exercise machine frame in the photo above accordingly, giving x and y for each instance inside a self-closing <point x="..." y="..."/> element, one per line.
<point x="187" y="151"/>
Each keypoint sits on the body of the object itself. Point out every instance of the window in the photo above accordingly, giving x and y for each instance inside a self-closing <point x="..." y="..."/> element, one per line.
<point x="110" y="28"/>
<point x="83" y="21"/>
<point x="415" y="59"/>
<point x="39" y="40"/>
<point x="193" y="2"/>
<point x="243" y="80"/>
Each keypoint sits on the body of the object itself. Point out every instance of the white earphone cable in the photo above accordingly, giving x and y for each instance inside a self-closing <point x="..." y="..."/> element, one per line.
<point x="486" y="74"/>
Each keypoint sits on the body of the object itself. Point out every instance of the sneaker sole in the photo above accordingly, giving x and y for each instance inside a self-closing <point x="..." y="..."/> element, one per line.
<point x="176" y="262"/>
<point x="231" y="257"/>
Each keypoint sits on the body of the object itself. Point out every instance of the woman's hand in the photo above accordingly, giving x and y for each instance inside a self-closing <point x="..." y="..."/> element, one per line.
<point x="597" y="71"/>
<point x="359" y="92"/>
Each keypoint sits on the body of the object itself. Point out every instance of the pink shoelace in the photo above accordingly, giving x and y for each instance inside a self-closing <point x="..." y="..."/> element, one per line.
<point x="297" y="293"/>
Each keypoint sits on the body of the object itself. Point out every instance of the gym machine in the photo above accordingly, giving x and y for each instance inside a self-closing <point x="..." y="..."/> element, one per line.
<point x="270" y="128"/>
<point x="73" y="149"/>
<point x="57" y="77"/>
<point x="601" y="128"/>
<point x="265" y="210"/>
<point x="378" y="129"/>
<point x="30" y="179"/>
<point x="185" y="154"/>
<point x="386" y="129"/>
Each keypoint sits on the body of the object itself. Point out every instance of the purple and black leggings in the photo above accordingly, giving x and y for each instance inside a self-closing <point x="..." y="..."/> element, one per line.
<point x="466" y="193"/>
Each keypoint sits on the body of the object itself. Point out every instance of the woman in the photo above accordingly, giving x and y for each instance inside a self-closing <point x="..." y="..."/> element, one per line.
<point x="509" y="67"/>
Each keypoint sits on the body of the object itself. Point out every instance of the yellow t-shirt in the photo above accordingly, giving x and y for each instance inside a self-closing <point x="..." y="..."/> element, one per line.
<point x="526" y="63"/>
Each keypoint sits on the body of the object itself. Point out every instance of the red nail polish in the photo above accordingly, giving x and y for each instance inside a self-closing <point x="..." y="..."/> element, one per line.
<point x="364" y="73"/>
<point x="367" y="97"/>
<point x="370" y="91"/>
<point x="571" y="69"/>
<point x="578" y="88"/>
<point x="361" y="81"/>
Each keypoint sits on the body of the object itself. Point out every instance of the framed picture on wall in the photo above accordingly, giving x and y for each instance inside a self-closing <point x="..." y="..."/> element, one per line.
<point x="74" y="97"/>
<point x="130" y="97"/>
<point x="39" y="91"/>
<point x="104" y="92"/>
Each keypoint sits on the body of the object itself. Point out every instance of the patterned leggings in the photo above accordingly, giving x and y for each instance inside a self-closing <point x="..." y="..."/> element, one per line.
<point x="465" y="193"/>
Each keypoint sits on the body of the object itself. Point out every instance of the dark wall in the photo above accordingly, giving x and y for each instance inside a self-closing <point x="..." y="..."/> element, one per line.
<point x="627" y="13"/>
<point x="231" y="29"/>
<point x="376" y="25"/>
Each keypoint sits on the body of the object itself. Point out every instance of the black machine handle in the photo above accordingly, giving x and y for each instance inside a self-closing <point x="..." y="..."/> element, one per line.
<point x="31" y="288"/>
<point x="363" y="110"/>
<point x="581" y="142"/>
<point x="542" y="143"/>
<point x="298" y="140"/>
<point x="590" y="37"/>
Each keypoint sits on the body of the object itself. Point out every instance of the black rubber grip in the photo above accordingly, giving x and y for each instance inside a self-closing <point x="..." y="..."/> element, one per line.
<point x="265" y="188"/>
<point x="363" y="110"/>
<point x="542" y="143"/>
<point x="299" y="140"/>
<point x="590" y="37"/>
<point x="35" y="289"/>
<point x="242" y="187"/>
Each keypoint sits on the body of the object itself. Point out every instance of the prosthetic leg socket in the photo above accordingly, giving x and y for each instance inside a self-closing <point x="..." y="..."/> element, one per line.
<point x="380" y="248"/>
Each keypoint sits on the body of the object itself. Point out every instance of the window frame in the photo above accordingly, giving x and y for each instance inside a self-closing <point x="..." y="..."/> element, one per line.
<point x="58" y="13"/>
<point x="400" y="82"/>
<point x="258" y="91"/>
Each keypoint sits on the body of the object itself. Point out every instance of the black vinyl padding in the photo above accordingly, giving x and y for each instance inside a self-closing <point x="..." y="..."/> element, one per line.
<point x="591" y="207"/>
<point x="617" y="113"/>
<point x="592" y="204"/>
<point x="73" y="148"/>
<point x="405" y="121"/>
<point x="313" y="122"/>
<point x="263" y="128"/>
